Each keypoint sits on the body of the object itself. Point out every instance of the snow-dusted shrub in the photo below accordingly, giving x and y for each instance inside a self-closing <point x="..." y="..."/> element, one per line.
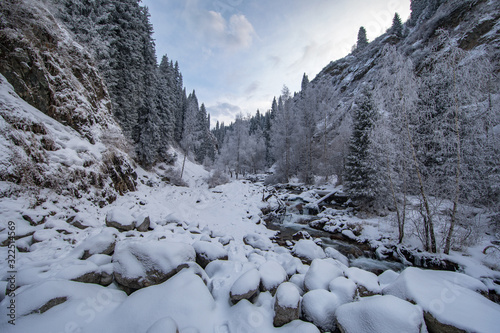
<point x="217" y="178"/>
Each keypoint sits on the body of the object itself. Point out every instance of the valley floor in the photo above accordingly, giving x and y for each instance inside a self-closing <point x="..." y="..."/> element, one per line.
<point x="207" y="264"/>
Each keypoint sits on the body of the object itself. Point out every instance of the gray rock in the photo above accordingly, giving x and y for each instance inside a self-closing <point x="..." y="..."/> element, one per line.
<point x="144" y="225"/>
<point x="287" y="304"/>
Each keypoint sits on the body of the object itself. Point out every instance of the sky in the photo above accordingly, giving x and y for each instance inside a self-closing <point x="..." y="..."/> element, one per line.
<point x="238" y="54"/>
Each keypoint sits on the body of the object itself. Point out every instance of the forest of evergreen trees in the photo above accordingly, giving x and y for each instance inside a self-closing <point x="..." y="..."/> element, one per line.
<point x="424" y="130"/>
<point x="413" y="126"/>
<point x="149" y="100"/>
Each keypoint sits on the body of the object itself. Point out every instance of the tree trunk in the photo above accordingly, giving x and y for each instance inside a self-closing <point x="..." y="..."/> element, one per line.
<point x="428" y="224"/>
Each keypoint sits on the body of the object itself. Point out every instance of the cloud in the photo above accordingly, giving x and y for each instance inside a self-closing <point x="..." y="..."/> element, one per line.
<point x="212" y="28"/>
<point x="252" y="87"/>
<point x="223" y="111"/>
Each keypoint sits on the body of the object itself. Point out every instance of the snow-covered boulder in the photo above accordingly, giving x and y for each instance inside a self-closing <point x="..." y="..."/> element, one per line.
<point x="367" y="281"/>
<point x="142" y="223"/>
<point x="318" y="307"/>
<point x="42" y="297"/>
<point x="184" y="298"/>
<point x="387" y="277"/>
<point x="298" y="280"/>
<point x="80" y="222"/>
<point x="206" y="252"/>
<point x="344" y="288"/>
<point x="246" y="286"/>
<point x="307" y="250"/>
<point x="272" y="275"/>
<point x="449" y="300"/>
<point x="139" y="264"/>
<point x="44" y="235"/>
<point x="321" y="272"/>
<point x="164" y="325"/>
<point x="120" y="219"/>
<point x="287" y="304"/>
<point x="102" y="243"/>
<point x="302" y="234"/>
<point x="380" y="314"/>
<point x="335" y="254"/>
<point x="258" y="242"/>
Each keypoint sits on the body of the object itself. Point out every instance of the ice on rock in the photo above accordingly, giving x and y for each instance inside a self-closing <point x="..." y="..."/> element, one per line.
<point x="321" y="272"/>
<point x="380" y="314"/>
<point x="287" y="304"/>
<point x="139" y="264"/>
<point x="246" y="286"/>
<point x="272" y="275"/>
<point x="318" y="307"/>
<point x="448" y="299"/>
<point x="365" y="279"/>
<point x="308" y="250"/>
<point x="207" y="252"/>
<point x="344" y="288"/>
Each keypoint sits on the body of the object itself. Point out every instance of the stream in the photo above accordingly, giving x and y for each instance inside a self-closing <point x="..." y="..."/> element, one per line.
<point x="359" y="255"/>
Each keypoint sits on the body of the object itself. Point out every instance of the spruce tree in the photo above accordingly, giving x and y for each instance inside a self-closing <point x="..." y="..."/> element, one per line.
<point x="397" y="26"/>
<point x="361" y="174"/>
<point x="362" y="39"/>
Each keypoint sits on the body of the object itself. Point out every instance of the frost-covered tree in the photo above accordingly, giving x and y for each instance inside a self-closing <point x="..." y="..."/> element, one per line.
<point x="282" y="136"/>
<point x="362" y="175"/>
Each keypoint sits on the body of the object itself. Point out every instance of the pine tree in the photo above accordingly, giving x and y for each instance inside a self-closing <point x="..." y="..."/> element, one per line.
<point x="362" y="39"/>
<point x="397" y="26"/>
<point x="361" y="179"/>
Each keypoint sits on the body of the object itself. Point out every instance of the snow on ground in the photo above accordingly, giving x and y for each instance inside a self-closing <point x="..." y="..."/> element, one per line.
<point x="227" y="295"/>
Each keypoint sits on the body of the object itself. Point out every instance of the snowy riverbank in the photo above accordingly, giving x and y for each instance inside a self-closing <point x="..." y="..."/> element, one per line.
<point x="206" y="264"/>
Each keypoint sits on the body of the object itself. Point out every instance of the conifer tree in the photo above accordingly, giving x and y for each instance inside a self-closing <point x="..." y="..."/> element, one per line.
<point x="397" y="26"/>
<point x="361" y="178"/>
<point x="362" y="39"/>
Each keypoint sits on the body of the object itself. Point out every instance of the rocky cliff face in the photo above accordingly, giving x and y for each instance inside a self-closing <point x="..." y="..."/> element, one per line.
<point x="473" y="24"/>
<point x="46" y="68"/>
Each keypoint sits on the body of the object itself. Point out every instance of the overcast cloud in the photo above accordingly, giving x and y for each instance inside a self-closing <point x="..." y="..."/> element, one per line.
<point x="238" y="54"/>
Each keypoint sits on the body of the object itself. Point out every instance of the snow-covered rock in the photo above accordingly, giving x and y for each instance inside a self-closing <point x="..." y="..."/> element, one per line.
<point x="321" y="272"/>
<point x="287" y="304"/>
<point x="272" y="275"/>
<point x="380" y="314"/>
<point x="207" y="252"/>
<point x="164" y="325"/>
<point x="120" y="219"/>
<point x="344" y="288"/>
<point x="44" y="235"/>
<point x="102" y="243"/>
<point x="43" y="305"/>
<point x="139" y="264"/>
<point x="387" y="277"/>
<point x="318" y="307"/>
<point x="246" y="286"/>
<point x="298" y="280"/>
<point x="448" y="299"/>
<point x="308" y="250"/>
<point x="258" y="242"/>
<point x="330" y="252"/>
<point x="366" y="281"/>
<point x="184" y="298"/>
<point x="142" y="223"/>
